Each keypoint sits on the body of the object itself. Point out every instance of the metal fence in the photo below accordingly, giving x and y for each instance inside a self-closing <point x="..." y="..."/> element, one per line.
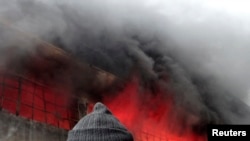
<point x="35" y="101"/>
<point x="145" y="136"/>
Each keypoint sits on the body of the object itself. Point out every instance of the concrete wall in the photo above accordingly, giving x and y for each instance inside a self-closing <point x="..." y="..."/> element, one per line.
<point x="14" y="128"/>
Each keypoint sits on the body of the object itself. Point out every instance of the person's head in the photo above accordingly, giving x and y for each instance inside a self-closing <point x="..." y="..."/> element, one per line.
<point x="100" y="125"/>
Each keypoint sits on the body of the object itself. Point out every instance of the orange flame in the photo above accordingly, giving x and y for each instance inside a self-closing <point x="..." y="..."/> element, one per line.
<point x="150" y="117"/>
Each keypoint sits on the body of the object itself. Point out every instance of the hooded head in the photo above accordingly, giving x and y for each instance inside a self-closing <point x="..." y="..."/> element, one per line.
<point x="100" y="125"/>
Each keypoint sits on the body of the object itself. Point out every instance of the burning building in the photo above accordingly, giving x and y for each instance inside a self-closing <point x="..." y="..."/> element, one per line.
<point x="43" y="89"/>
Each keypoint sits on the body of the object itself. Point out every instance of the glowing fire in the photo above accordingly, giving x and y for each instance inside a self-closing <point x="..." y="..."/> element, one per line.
<point x="149" y="116"/>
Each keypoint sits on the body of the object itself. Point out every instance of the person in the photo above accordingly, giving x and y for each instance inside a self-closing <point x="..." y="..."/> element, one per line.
<point x="99" y="125"/>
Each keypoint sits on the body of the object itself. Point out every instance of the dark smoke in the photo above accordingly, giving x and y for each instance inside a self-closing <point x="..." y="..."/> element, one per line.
<point x="121" y="37"/>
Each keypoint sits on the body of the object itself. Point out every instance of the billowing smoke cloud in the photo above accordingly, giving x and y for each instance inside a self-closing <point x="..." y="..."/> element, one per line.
<point x="199" y="47"/>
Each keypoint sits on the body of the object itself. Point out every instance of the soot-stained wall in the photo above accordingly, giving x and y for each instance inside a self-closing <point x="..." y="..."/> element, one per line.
<point x="15" y="128"/>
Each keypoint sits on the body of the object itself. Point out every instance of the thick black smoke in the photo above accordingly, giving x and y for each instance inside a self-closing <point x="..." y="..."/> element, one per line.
<point x="121" y="37"/>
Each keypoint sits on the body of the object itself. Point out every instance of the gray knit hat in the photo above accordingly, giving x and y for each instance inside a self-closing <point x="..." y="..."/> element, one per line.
<point x="100" y="125"/>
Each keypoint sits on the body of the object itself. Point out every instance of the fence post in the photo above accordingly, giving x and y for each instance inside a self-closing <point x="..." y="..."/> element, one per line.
<point x="19" y="96"/>
<point x="45" y="107"/>
<point x="2" y="91"/>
